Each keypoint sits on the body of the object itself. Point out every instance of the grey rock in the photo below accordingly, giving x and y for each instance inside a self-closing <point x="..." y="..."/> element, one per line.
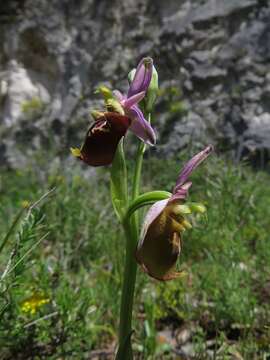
<point x="221" y="9"/>
<point x="211" y="10"/>
<point x="217" y="52"/>
<point x="253" y="78"/>
<point x="206" y="72"/>
<point x="253" y="94"/>
<point x="20" y="89"/>
<point x="201" y="56"/>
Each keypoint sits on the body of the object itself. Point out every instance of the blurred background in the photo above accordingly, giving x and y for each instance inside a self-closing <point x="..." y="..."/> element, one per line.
<point x="65" y="255"/>
<point x="212" y="58"/>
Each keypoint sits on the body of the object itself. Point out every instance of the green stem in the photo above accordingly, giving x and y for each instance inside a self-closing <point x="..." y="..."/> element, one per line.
<point x="125" y="330"/>
<point x="138" y="170"/>
<point x="148" y="198"/>
<point x="131" y="228"/>
<point x="137" y="177"/>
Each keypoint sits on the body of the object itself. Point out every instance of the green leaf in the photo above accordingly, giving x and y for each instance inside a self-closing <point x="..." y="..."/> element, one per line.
<point x="12" y="228"/>
<point x="145" y="199"/>
<point x="119" y="193"/>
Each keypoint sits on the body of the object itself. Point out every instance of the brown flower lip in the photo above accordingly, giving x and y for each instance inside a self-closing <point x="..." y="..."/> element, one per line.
<point x="102" y="138"/>
<point x="160" y="242"/>
<point x="161" y="247"/>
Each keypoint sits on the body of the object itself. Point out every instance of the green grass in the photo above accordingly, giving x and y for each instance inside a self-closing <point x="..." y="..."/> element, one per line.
<point x="78" y="266"/>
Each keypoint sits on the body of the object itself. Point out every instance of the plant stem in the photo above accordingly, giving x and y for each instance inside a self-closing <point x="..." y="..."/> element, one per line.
<point x="131" y="229"/>
<point x="138" y="171"/>
<point x="125" y="330"/>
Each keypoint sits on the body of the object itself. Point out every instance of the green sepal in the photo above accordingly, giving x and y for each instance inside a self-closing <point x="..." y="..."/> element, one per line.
<point x="131" y="75"/>
<point x="145" y="199"/>
<point x="152" y="92"/>
<point x="118" y="182"/>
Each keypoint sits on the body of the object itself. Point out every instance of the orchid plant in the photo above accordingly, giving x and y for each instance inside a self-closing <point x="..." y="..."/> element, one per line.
<point x="158" y="247"/>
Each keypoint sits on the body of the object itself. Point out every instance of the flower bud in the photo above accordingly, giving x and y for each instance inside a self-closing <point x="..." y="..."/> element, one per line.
<point x="141" y="78"/>
<point x="152" y="91"/>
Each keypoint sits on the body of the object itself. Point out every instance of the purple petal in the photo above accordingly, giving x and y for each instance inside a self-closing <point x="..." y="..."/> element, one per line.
<point x="142" y="77"/>
<point x="120" y="97"/>
<point x="140" y="126"/>
<point x="133" y="100"/>
<point x="181" y="193"/>
<point x="191" y="165"/>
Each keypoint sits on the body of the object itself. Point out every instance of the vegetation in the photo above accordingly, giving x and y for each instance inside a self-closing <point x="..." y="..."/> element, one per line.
<point x="32" y="108"/>
<point x="61" y="268"/>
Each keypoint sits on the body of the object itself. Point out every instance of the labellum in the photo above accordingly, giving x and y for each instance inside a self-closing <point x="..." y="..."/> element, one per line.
<point x="161" y="245"/>
<point x="102" y="139"/>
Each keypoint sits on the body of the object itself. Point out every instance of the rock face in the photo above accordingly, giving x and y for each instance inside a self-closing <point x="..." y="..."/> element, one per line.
<point x="213" y="59"/>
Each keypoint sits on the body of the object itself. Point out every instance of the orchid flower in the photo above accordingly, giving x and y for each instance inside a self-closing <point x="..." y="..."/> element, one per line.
<point x="160" y="243"/>
<point x="123" y="113"/>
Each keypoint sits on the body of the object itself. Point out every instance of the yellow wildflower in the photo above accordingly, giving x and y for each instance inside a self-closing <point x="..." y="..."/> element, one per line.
<point x="33" y="303"/>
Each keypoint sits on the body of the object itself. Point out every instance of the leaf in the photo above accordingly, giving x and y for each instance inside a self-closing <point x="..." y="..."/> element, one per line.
<point x="12" y="228"/>
<point x="119" y="192"/>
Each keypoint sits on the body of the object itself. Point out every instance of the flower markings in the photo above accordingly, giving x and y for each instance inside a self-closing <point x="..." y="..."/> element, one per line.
<point x="122" y="113"/>
<point x="160" y="244"/>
